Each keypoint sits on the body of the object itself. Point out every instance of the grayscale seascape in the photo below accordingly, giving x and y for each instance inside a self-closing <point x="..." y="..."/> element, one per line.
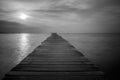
<point x="78" y="39"/>
<point x="102" y="49"/>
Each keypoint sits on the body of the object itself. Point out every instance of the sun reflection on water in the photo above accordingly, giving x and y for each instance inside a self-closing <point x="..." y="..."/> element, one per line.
<point x="23" y="46"/>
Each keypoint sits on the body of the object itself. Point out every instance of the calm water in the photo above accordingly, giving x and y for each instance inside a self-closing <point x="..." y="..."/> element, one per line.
<point x="101" y="49"/>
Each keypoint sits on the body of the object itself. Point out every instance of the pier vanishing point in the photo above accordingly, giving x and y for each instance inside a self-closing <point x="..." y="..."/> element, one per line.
<point x="55" y="59"/>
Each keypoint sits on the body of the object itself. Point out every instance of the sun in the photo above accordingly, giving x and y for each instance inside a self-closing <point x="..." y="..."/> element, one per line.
<point x="23" y="16"/>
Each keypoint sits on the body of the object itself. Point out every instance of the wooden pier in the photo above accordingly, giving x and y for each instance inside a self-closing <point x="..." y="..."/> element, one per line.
<point x="55" y="59"/>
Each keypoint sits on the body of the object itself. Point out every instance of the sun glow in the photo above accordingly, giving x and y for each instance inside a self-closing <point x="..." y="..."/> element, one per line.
<point x="23" y="16"/>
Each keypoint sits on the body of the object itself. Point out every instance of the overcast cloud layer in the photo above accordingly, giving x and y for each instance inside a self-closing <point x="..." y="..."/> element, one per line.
<point x="65" y="15"/>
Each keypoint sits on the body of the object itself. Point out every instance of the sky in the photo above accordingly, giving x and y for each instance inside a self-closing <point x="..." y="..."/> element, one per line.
<point x="67" y="16"/>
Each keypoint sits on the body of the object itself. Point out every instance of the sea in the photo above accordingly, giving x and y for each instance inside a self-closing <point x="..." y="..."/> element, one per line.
<point x="101" y="49"/>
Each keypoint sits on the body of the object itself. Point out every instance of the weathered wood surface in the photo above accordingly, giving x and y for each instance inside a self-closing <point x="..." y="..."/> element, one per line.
<point x="55" y="59"/>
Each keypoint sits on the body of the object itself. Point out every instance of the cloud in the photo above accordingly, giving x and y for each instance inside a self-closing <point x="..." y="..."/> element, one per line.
<point x="76" y="15"/>
<point x="45" y="4"/>
<point x="13" y="27"/>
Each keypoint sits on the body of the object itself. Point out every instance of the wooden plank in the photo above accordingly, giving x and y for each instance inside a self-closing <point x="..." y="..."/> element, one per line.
<point x="56" y="73"/>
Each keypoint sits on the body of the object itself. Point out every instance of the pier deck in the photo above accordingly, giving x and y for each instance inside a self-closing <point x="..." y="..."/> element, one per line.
<point x="55" y="59"/>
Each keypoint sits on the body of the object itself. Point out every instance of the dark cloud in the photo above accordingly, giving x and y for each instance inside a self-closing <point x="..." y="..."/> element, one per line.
<point x="13" y="27"/>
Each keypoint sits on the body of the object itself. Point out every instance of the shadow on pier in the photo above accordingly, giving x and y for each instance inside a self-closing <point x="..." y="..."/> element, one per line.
<point x="55" y="59"/>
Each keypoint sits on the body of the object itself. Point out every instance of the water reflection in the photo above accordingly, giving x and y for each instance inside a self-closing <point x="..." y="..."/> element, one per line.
<point x="24" y="46"/>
